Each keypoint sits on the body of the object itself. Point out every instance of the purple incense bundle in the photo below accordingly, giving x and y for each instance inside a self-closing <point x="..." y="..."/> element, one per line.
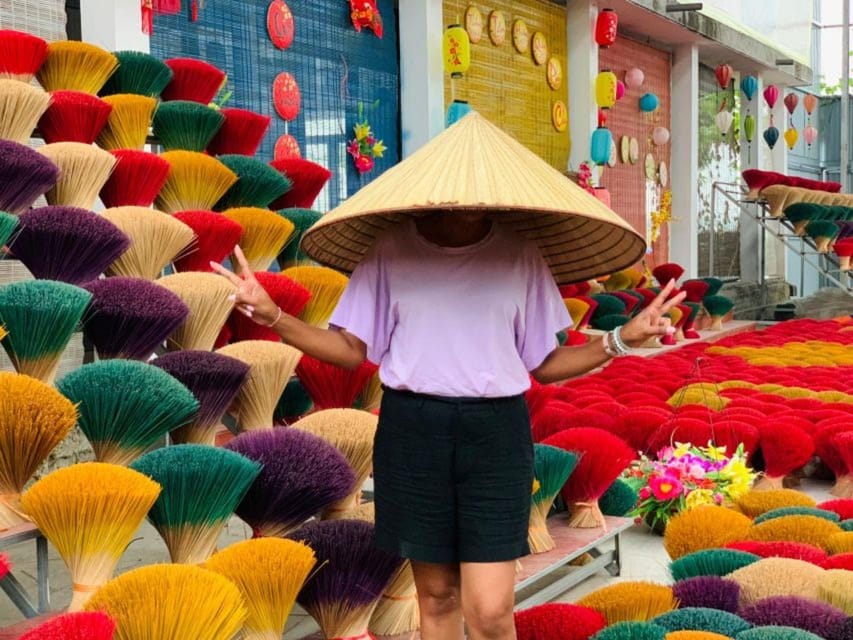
<point x="343" y="593"/>
<point x="302" y="475"/>
<point x="214" y="380"/>
<point x="793" y="611"/>
<point x="67" y="244"/>
<point x="130" y="317"/>
<point x="25" y="175"/>
<point x="841" y="631"/>
<point x="710" y="592"/>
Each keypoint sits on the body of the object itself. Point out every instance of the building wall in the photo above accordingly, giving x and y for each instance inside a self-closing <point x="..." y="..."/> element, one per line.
<point x="633" y="196"/>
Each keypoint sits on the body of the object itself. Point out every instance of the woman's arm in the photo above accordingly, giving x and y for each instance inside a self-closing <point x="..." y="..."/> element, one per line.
<point x="569" y="362"/>
<point x="335" y="347"/>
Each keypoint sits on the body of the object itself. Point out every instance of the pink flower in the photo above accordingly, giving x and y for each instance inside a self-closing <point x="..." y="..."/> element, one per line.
<point x="645" y="493"/>
<point x="364" y="164"/>
<point x="370" y="140"/>
<point x="354" y="149"/>
<point x="665" y="488"/>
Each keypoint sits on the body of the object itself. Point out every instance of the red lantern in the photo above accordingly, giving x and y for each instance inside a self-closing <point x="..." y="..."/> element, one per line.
<point x="605" y="28"/>
<point x="724" y="75"/>
<point x="286" y="147"/>
<point x="286" y="96"/>
<point x="280" y="25"/>
<point x="602" y="117"/>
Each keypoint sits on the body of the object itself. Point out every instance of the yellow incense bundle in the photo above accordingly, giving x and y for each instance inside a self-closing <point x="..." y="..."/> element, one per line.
<point x="76" y="66"/>
<point x="21" y="106"/>
<point x="836" y="589"/>
<point x="157" y="239"/>
<point x="90" y="512"/>
<point x="631" y="601"/>
<point x="265" y="233"/>
<point x="129" y="122"/>
<point x="351" y="432"/>
<point x="196" y="181"/>
<point x="271" y="366"/>
<point x="704" y="527"/>
<point x="326" y="287"/>
<point x="34" y="418"/>
<point x="269" y="572"/>
<point x="83" y="171"/>
<point x="206" y="295"/>
<point x="756" y="503"/>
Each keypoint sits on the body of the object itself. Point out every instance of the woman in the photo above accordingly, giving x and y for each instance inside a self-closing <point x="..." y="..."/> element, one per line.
<point x="459" y="311"/>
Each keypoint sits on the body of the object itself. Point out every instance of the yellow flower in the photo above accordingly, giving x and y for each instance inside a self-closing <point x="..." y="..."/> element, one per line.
<point x="362" y="130"/>
<point x="699" y="497"/>
<point x="715" y="453"/>
<point x="681" y="449"/>
<point x="378" y="149"/>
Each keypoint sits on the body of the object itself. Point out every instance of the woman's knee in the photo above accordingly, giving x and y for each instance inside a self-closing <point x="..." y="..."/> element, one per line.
<point x="489" y="617"/>
<point x="438" y="589"/>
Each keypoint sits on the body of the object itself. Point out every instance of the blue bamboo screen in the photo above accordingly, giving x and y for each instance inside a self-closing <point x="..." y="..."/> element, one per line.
<point x="335" y="66"/>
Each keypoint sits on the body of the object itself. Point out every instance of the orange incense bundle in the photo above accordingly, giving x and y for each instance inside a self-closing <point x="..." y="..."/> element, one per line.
<point x="332" y="387"/>
<point x="74" y="116"/>
<point x="136" y="179"/>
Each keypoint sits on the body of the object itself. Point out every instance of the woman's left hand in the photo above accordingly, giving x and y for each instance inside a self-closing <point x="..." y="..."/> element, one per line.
<point x="652" y="322"/>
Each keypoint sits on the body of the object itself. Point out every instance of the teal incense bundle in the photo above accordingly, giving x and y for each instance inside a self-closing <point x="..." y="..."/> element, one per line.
<point x="552" y="466"/>
<point x="138" y="73"/>
<point x="258" y="184"/>
<point x="181" y="125"/>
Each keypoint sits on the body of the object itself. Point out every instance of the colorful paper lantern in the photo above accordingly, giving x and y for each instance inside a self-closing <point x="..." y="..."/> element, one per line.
<point x="724" y="75"/>
<point x="457" y="110"/>
<point x="286" y="147"/>
<point x="280" y="26"/>
<point x="600" y="145"/>
<point x="620" y="89"/>
<point x="810" y="135"/>
<point x="602" y="117"/>
<point x="809" y="102"/>
<point x="287" y="98"/>
<point x="791" y="137"/>
<point x="749" y="85"/>
<point x="605" y="89"/>
<point x="649" y="102"/>
<point x="457" y="50"/>
<point x="605" y="28"/>
<point x="724" y="121"/>
<point x="771" y="136"/>
<point x="660" y="136"/>
<point x="791" y="102"/>
<point x="771" y="95"/>
<point x="634" y="78"/>
<point x="749" y="127"/>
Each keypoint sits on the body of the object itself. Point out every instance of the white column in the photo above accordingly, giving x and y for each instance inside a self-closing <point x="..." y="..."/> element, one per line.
<point x="113" y="24"/>
<point x="421" y="72"/>
<point x="583" y="68"/>
<point x="684" y="164"/>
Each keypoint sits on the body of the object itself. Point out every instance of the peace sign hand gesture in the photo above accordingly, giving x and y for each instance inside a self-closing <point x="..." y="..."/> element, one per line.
<point x="651" y="321"/>
<point x="251" y="298"/>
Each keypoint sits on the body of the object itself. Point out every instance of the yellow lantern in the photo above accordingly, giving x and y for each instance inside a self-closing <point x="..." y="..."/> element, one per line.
<point x="605" y="89"/>
<point x="457" y="50"/>
<point x="791" y="136"/>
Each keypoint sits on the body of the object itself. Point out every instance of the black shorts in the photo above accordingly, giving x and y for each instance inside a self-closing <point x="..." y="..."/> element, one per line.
<point x="453" y="478"/>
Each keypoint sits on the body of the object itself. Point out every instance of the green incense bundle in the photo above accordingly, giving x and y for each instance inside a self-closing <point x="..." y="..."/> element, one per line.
<point x="181" y="125"/>
<point x="8" y="224"/>
<point x="202" y="487"/>
<point x="717" y="307"/>
<point x="302" y="219"/>
<point x="258" y="184"/>
<point x="619" y="500"/>
<point x="139" y="73"/>
<point x="797" y="511"/>
<point x="552" y="466"/>
<point x="711" y="562"/>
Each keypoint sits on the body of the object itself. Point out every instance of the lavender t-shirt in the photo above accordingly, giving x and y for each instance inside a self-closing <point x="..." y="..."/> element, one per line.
<point x="459" y="322"/>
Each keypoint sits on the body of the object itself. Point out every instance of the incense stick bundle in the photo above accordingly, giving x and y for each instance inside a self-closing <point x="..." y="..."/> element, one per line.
<point x="258" y="184"/>
<point x="264" y="234"/>
<point x="293" y="404"/>
<point x="76" y="66"/>
<point x="81" y="625"/>
<point x="326" y="287"/>
<point x="194" y="80"/>
<point x="302" y="219"/>
<point x="73" y="116"/>
<point x="269" y="573"/>
<point x="201" y="488"/>
<point x="90" y="512"/>
<point x="156" y="240"/>
<point x="8" y="225"/>
<point x="352" y="433"/>
<point x="291" y="297"/>
<point x="25" y="174"/>
<point x="131" y="317"/>
<point x="301" y="475"/>
<point x="125" y="406"/>
<point x="139" y="73"/>
<point x="216" y="237"/>
<point x="196" y="181"/>
<point x="40" y="317"/>
<point x="190" y="126"/>
<point x="214" y="380"/>
<point x="206" y="295"/>
<point x="241" y="133"/>
<point x="308" y="178"/>
<point x="552" y="467"/>
<point x="136" y="180"/>
<point x="129" y="122"/>
<point x="21" y="107"/>
<point x="270" y="366"/>
<point x="171" y="602"/>
<point x="21" y="55"/>
<point x="34" y="418"/>
<point x="67" y="244"/>
<point x="83" y="170"/>
<point x="333" y="387"/>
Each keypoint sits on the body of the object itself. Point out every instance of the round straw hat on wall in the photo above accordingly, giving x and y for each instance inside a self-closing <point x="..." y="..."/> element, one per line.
<point x="474" y="166"/>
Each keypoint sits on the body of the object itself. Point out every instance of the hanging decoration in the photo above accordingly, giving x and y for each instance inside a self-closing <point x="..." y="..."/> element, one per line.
<point x="724" y="75"/>
<point x="620" y="90"/>
<point x="771" y="95"/>
<point x="364" y="147"/>
<point x="147" y="9"/>
<point x="497" y="28"/>
<point x="554" y="74"/>
<point x="809" y="103"/>
<point x="602" y="118"/>
<point x="365" y="15"/>
<point x="286" y="147"/>
<point x="771" y="136"/>
<point x="791" y="136"/>
<point x="634" y="78"/>
<point x="584" y="177"/>
<point x="749" y="127"/>
<point x="560" y="116"/>
<point x="605" y="89"/>
<point x="724" y="119"/>
<point x="649" y="102"/>
<point x="280" y="25"/>
<point x="540" y="48"/>
<point x="600" y="145"/>
<point x="660" y="136"/>
<point x="606" y="27"/>
<point x="661" y="217"/>
<point x="810" y="131"/>
<point x="791" y="102"/>
<point x="520" y="36"/>
<point x="457" y="110"/>
<point x="474" y="24"/>
<point x="286" y="96"/>
<point x="457" y="51"/>
<point x="809" y="135"/>
<point x="749" y="85"/>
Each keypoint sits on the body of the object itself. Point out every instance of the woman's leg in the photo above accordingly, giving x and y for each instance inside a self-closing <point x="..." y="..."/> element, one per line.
<point x="488" y="597"/>
<point x="439" y="600"/>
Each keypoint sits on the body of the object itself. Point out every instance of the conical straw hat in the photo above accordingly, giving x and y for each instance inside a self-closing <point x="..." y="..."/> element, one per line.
<point x="474" y="166"/>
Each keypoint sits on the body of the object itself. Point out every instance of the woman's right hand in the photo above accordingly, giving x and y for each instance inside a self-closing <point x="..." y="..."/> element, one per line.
<point x="251" y="299"/>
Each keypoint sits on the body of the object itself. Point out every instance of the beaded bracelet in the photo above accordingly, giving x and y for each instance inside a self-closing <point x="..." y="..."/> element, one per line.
<point x="277" y="318"/>
<point x="621" y="348"/>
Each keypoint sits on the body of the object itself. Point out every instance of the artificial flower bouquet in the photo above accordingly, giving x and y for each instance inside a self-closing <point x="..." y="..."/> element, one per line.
<point x="364" y="147"/>
<point x="687" y="476"/>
